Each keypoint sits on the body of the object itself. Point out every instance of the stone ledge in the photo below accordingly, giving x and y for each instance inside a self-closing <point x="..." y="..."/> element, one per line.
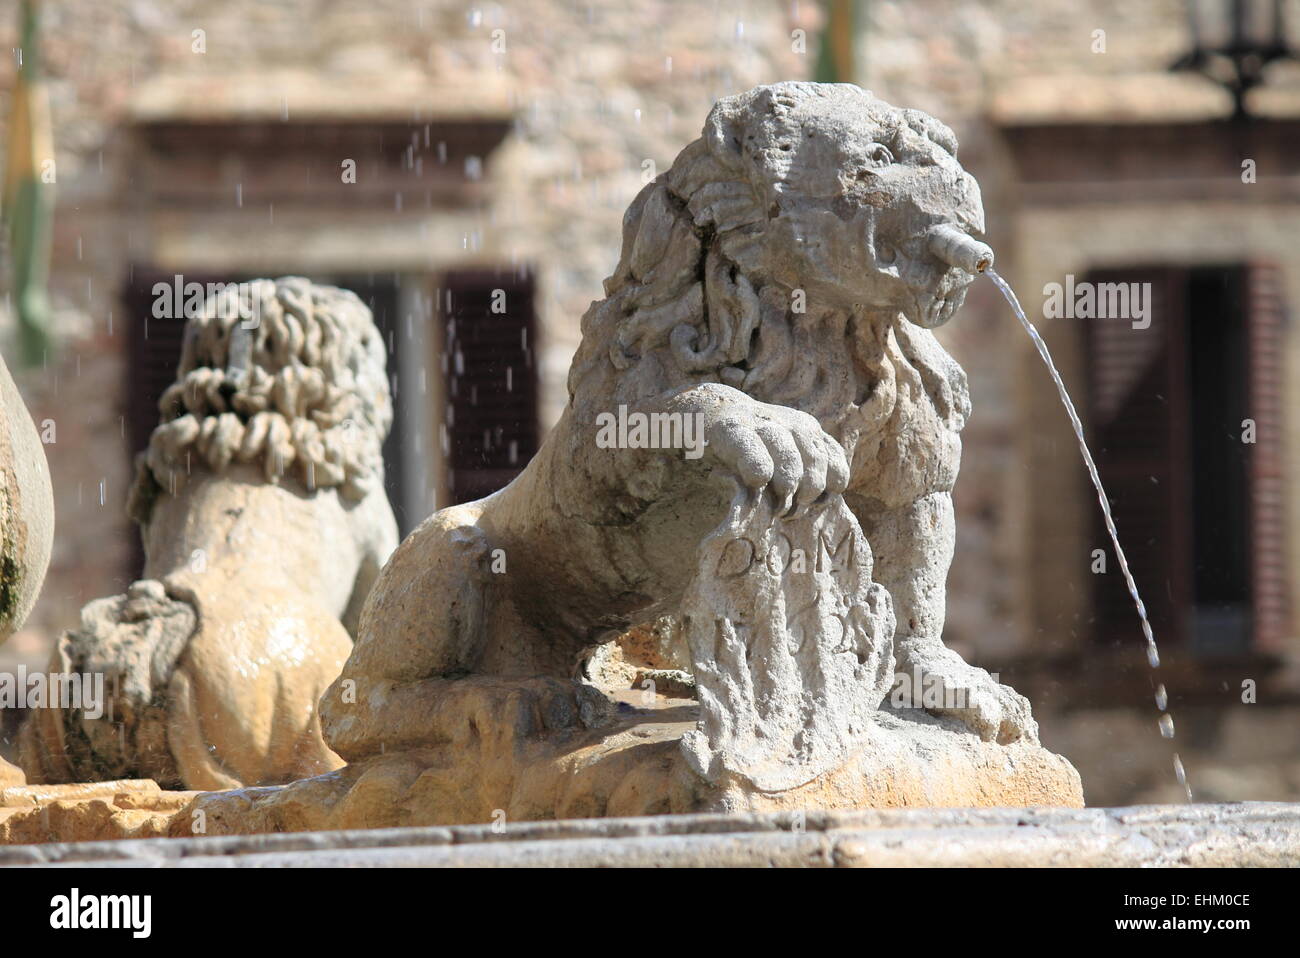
<point x="1247" y="834"/>
<point x="88" y="811"/>
<point x="630" y="768"/>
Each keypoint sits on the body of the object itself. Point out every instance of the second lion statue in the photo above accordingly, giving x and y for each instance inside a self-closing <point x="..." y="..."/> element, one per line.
<point x="262" y="507"/>
<point x="777" y="284"/>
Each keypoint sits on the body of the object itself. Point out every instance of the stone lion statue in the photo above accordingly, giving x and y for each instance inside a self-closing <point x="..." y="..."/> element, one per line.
<point x="261" y="504"/>
<point x="776" y="286"/>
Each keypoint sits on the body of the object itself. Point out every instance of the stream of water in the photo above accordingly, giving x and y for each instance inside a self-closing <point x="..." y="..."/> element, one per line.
<point x="1166" y="721"/>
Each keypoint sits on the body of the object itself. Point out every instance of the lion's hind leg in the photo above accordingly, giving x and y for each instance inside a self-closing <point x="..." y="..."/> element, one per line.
<point x="425" y="619"/>
<point x="425" y="614"/>
<point x="440" y="643"/>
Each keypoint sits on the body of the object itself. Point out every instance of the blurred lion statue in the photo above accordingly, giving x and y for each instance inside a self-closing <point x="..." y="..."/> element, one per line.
<point x="262" y="509"/>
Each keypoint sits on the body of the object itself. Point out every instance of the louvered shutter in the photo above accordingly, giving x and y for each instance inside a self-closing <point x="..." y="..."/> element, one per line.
<point x="490" y="377"/>
<point x="1137" y="425"/>
<point x="155" y="351"/>
<point x="1265" y="316"/>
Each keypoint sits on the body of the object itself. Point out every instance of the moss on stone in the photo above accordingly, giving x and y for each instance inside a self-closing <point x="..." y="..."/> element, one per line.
<point x="10" y="574"/>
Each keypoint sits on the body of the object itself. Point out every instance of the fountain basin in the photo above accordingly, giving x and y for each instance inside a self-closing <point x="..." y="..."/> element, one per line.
<point x="631" y="766"/>
<point x="1247" y="834"/>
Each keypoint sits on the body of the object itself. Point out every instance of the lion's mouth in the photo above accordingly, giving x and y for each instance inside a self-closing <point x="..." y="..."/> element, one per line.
<point x="941" y="308"/>
<point x="933" y="289"/>
<point x="959" y="259"/>
<point x="934" y="305"/>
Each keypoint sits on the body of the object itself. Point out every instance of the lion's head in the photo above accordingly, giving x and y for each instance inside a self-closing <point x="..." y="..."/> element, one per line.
<point x="804" y="211"/>
<point x="300" y="390"/>
<point x="825" y="188"/>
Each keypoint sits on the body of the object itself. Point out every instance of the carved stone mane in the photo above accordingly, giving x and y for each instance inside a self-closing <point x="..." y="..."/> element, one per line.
<point x="303" y="392"/>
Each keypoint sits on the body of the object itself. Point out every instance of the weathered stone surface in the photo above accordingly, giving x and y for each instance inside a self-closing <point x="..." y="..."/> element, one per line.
<point x="26" y="521"/>
<point x="505" y="769"/>
<point x="11" y="775"/>
<point x="26" y="509"/>
<point x="772" y="304"/>
<point x="790" y="663"/>
<point x="772" y="301"/>
<point x="265" y="522"/>
<point x="85" y="812"/>
<point x="1250" y="834"/>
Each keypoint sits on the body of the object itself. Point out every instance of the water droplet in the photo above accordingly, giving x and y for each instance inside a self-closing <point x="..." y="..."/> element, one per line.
<point x="1167" y="725"/>
<point x="1162" y="697"/>
<point x="1182" y="776"/>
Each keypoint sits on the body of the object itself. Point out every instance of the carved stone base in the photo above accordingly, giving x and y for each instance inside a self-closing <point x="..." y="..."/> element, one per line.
<point x="88" y="811"/>
<point x="634" y="766"/>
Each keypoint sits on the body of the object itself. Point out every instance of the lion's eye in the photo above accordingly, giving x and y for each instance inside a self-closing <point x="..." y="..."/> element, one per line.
<point x="880" y="154"/>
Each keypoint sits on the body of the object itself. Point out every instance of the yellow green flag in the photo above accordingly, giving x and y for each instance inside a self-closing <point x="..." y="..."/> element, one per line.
<point x="27" y="205"/>
<point x="835" y="59"/>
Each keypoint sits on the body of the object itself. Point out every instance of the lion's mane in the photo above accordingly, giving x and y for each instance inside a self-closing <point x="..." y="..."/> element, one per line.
<point x="303" y="393"/>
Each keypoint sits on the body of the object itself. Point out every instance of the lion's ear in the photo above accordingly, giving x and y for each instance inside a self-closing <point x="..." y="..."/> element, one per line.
<point x="716" y="195"/>
<point x="694" y="167"/>
<point x="724" y="132"/>
<point x="932" y="129"/>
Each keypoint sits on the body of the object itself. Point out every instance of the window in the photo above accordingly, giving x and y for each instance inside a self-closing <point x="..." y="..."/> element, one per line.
<point x="490" y="380"/>
<point x="1186" y="424"/>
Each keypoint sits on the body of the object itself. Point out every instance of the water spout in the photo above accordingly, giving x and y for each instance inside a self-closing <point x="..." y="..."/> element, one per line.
<point x="958" y="249"/>
<point x="1166" y="722"/>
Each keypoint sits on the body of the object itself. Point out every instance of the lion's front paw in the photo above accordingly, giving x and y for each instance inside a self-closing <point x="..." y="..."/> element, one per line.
<point x="782" y="450"/>
<point x="943" y="684"/>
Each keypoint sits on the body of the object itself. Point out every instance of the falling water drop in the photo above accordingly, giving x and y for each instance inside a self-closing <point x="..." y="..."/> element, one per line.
<point x="1181" y="773"/>
<point x="1167" y="725"/>
<point x="1162" y="697"/>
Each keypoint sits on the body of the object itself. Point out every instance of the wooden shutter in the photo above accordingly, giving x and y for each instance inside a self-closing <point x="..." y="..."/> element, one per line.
<point x="1265" y="317"/>
<point x="154" y="353"/>
<point x="490" y="377"/>
<point x="1137" y="388"/>
<point x="1201" y="514"/>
